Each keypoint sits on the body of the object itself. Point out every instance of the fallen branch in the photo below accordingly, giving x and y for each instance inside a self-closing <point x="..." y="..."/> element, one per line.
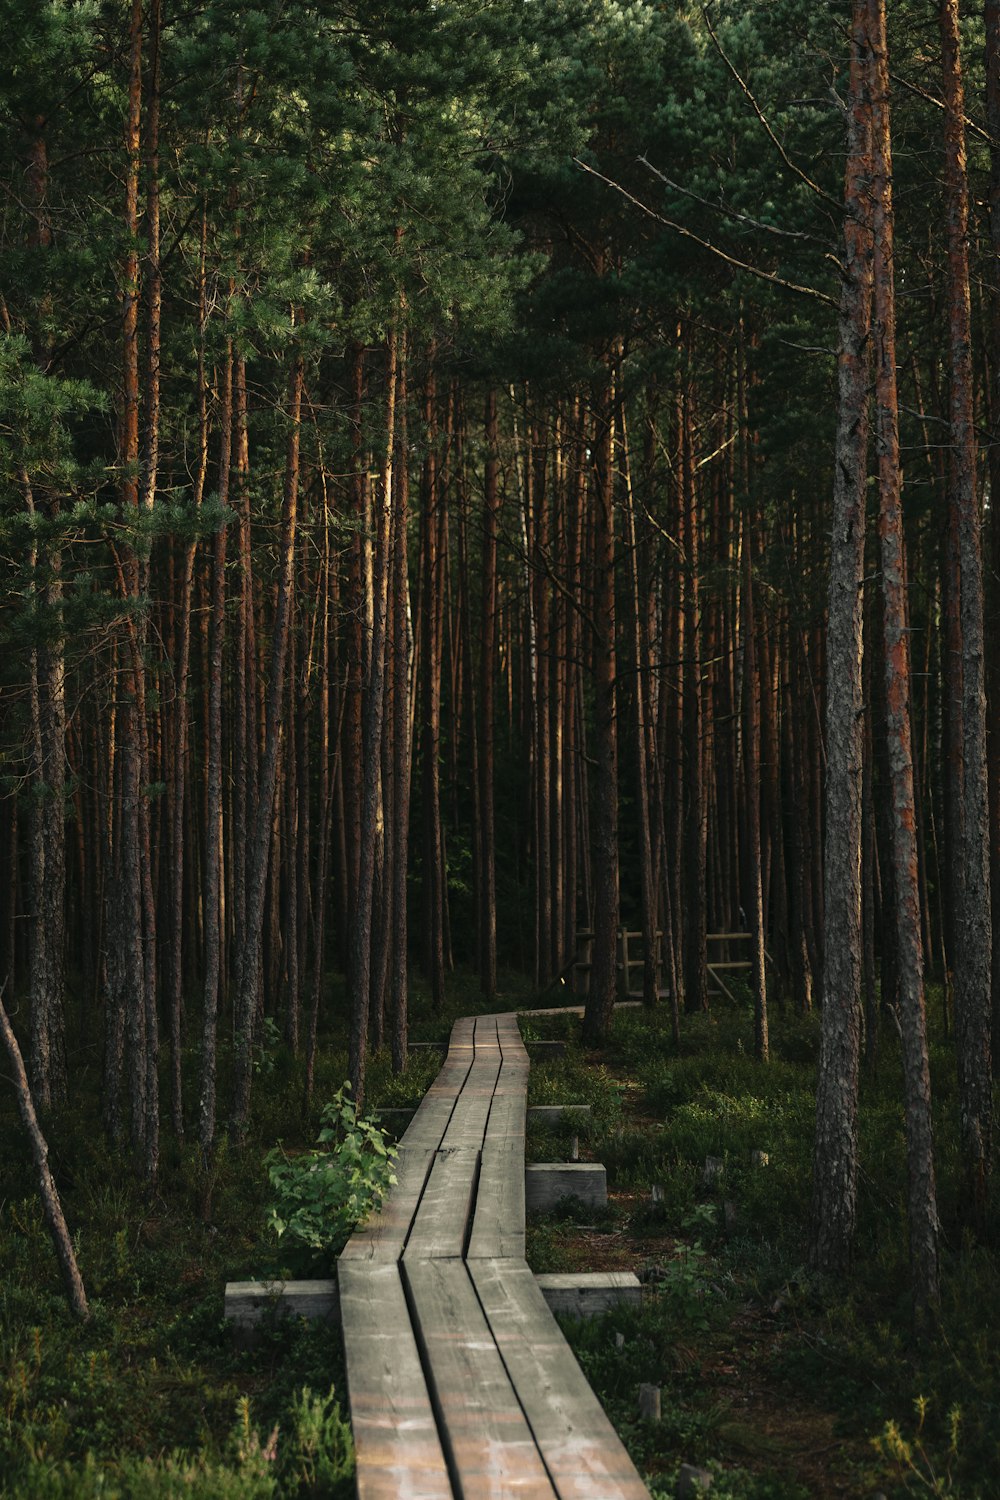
<point x="46" y="1186"/>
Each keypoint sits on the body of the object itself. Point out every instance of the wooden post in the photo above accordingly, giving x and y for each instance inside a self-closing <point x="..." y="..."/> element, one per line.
<point x="649" y="1403"/>
<point x="47" y="1188"/>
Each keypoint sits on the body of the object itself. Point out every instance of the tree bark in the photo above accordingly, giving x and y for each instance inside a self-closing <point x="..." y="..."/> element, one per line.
<point x="487" y="708"/>
<point x="214" y="884"/>
<point x="249" y="983"/>
<point x="835" y="1164"/>
<point x="599" y="1009"/>
<point x="372" y="727"/>
<point x="922" y="1201"/>
<point x="972" y="964"/>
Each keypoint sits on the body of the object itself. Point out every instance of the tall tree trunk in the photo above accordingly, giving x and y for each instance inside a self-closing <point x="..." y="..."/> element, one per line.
<point x="401" y="660"/>
<point x="487" y="891"/>
<point x="599" y="1009"/>
<point x="248" y="996"/>
<point x="180" y="789"/>
<point x="972" y="966"/>
<point x="214" y="884"/>
<point x="695" y="831"/>
<point x="993" y="632"/>
<point x="372" y="725"/>
<point x="432" y="603"/>
<point x="922" y="1202"/>
<point x="48" y="726"/>
<point x="647" y="890"/>
<point x="835" y="1164"/>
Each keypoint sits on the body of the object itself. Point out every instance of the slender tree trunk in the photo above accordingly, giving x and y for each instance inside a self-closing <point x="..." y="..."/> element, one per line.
<point x="647" y="891"/>
<point x="401" y="738"/>
<point x="835" y="1165"/>
<point x="372" y="726"/>
<point x="992" y="13"/>
<point x="214" y="884"/>
<point x="601" y="998"/>
<point x="972" y="967"/>
<point x="695" y="812"/>
<point x="432" y="592"/>
<point x="487" y="701"/>
<point x="248" y="997"/>
<point x="923" y="1220"/>
<point x="180" y="790"/>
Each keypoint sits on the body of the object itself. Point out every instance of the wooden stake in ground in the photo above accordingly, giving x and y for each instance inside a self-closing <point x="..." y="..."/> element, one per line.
<point x="46" y="1186"/>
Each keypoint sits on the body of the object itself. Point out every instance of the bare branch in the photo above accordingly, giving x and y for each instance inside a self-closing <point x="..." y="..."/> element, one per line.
<point x="730" y="213"/>
<point x="929" y="98"/>
<point x="731" y="260"/>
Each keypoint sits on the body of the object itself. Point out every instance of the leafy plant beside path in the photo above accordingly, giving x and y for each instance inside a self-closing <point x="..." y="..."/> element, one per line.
<point x="320" y="1195"/>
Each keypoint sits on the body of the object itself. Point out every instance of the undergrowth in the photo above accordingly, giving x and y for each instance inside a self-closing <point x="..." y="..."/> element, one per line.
<point x="729" y="1286"/>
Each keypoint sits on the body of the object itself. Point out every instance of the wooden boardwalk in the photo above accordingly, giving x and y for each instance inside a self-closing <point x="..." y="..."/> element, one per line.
<point x="460" y="1381"/>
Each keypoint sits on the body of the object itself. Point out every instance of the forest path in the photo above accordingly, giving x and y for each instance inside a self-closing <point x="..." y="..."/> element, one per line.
<point x="460" y="1381"/>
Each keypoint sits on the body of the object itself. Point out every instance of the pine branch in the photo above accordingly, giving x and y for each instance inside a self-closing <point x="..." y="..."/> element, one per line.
<point x="792" y="167"/>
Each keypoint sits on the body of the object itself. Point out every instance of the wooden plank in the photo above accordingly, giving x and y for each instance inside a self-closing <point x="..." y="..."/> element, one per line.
<point x="583" y="1454"/>
<point x="487" y="1441"/>
<point x="547" y="1183"/>
<point x="467" y="1125"/>
<point x="396" y="1441"/>
<point x="508" y="1114"/>
<point x="587" y="1294"/>
<point x="435" y="1110"/>
<point x="574" y="1010"/>
<point x="441" y="1223"/>
<point x="498" y="1220"/>
<point x="557" y="1114"/>
<point x="247" y="1303"/>
<point x="383" y="1235"/>
<point x="509" y="1034"/>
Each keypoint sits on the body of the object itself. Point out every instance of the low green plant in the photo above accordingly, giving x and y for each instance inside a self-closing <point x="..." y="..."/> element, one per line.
<point x="914" y="1466"/>
<point x="317" y="1458"/>
<point x="320" y="1195"/>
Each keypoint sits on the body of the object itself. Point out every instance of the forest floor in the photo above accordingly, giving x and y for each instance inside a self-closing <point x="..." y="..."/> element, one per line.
<point x="783" y="1384"/>
<point x="774" y="1380"/>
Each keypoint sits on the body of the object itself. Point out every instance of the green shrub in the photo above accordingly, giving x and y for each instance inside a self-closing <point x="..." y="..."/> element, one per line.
<point x="317" y="1458"/>
<point x="322" y="1194"/>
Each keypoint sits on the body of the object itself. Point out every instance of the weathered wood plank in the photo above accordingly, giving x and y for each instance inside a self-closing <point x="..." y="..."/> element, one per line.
<point x="247" y="1303"/>
<point x="508" y="1114"/>
<point x="583" y="1454"/>
<point x="435" y="1110"/>
<point x="555" y="1114"/>
<point x="576" y="1010"/>
<point x="546" y="1050"/>
<point x="383" y="1234"/>
<point x="588" y="1294"/>
<point x="441" y="1222"/>
<point x="467" y="1125"/>
<point x="547" y="1183"/>
<point x="396" y="1440"/>
<point x="498" y="1220"/>
<point x="486" y="1438"/>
